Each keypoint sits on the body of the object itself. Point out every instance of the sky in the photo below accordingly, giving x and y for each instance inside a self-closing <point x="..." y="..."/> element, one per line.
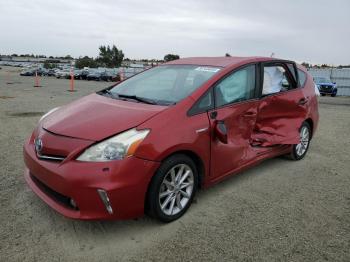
<point x="312" y="31"/>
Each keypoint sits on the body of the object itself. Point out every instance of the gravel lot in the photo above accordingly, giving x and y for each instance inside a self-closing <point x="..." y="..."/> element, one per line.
<point x="278" y="211"/>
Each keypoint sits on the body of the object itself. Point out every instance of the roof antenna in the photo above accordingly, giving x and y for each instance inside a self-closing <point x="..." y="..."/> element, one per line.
<point x="272" y="55"/>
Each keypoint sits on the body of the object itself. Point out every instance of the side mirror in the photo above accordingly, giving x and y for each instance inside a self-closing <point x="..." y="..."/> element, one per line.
<point x="334" y="83"/>
<point x="221" y="131"/>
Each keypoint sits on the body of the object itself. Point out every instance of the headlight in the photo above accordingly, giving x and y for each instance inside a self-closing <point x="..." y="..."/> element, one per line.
<point x="48" y="113"/>
<point x="114" y="148"/>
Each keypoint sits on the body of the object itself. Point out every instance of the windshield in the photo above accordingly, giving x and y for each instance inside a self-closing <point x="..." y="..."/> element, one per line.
<point x="166" y="84"/>
<point x="322" y="80"/>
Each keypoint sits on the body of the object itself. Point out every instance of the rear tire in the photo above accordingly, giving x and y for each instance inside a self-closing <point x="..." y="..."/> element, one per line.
<point x="299" y="151"/>
<point x="172" y="188"/>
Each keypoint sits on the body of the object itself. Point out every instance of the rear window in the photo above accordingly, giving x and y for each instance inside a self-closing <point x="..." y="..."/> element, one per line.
<point x="302" y="77"/>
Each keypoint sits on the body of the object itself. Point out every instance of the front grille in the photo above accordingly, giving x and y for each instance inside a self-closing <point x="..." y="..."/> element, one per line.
<point x="326" y="88"/>
<point x="50" y="157"/>
<point x="62" y="199"/>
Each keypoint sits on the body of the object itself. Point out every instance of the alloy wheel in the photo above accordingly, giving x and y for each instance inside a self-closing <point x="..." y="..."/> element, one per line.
<point x="304" y="141"/>
<point x="176" y="189"/>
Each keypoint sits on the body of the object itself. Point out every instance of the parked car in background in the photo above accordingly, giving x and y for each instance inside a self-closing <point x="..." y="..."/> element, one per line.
<point x="94" y="75"/>
<point x="63" y="73"/>
<point x="84" y="73"/>
<point x="149" y="142"/>
<point x="77" y="73"/>
<point x="109" y="76"/>
<point x="326" y="86"/>
<point x="28" y="72"/>
<point x="32" y="71"/>
<point x="51" y="72"/>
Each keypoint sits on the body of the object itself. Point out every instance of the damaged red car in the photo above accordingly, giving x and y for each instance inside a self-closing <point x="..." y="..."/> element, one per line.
<point x="147" y="144"/>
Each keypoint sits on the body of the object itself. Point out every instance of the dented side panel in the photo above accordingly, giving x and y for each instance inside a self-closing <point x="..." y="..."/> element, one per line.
<point x="280" y="117"/>
<point x="239" y="120"/>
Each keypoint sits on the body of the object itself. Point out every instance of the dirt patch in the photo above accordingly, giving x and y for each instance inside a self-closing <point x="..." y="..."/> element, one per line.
<point x="6" y="97"/>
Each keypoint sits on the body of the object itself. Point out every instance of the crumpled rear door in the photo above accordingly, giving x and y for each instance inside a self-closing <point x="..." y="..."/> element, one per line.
<point x="279" y="119"/>
<point x="280" y="116"/>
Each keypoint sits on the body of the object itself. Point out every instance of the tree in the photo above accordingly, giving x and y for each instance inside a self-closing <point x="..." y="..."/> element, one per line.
<point x="110" y="57"/>
<point x="86" y="61"/>
<point x="49" y="65"/>
<point x="307" y="65"/>
<point x="170" y="57"/>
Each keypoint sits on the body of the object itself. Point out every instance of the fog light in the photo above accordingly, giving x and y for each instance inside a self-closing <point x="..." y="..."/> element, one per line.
<point x="105" y="200"/>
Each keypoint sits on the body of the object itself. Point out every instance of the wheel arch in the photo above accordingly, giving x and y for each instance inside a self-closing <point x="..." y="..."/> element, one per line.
<point x="194" y="157"/>
<point x="311" y="124"/>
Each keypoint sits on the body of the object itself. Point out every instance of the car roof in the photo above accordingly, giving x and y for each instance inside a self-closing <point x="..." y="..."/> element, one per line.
<point x="218" y="61"/>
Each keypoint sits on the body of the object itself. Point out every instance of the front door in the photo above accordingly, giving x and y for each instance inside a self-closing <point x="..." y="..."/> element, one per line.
<point x="236" y="107"/>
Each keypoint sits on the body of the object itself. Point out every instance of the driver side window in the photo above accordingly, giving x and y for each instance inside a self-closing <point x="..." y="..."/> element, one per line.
<point x="238" y="86"/>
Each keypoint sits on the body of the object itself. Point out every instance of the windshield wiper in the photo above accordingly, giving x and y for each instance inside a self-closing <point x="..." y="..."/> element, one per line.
<point x="137" y="98"/>
<point x="109" y="92"/>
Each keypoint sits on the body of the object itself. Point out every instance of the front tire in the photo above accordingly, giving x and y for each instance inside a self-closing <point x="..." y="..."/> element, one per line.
<point x="300" y="150"/>
<point x="172" y="188"/>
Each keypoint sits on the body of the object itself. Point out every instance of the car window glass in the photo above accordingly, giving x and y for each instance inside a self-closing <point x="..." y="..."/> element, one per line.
<point x="203" y="104"/>
<point x="164" y="82"/>
<point x="238" y="86"/>
<point x="275" y="80"/>
<point x="302" y="77"/>
<point x="292" y="70"/>
<point x="169" y="83"/>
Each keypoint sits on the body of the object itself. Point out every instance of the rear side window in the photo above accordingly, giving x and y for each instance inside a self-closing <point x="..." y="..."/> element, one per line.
<point x="275" y="80"/>
<point x="238" y="86"/>
<point x="302" y="77"/>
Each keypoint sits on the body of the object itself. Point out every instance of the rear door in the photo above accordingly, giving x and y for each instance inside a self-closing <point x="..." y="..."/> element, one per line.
<point x="283" y="106"/>
<point x="236" y="104"/>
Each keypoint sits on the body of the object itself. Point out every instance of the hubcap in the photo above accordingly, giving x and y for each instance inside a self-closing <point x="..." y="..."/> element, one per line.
<point x="176" y="189"/>
<point x="304" y="141"/>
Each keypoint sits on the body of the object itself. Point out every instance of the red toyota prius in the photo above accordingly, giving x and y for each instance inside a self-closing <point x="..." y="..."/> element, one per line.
<point x="148" y="143"/>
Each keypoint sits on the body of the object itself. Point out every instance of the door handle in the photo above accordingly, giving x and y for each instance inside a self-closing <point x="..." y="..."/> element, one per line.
<point x="249" y="114"/>
<point x="303" y="101"/>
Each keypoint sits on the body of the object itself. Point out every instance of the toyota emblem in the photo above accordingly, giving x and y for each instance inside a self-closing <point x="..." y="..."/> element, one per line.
<point x="38" y="145"/>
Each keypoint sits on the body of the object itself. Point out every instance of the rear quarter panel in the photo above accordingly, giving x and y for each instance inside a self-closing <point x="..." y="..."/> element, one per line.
<point x="309" y="92"/>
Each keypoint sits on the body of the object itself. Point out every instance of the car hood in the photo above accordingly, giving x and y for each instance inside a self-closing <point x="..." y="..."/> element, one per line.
<point x="325" y="84"/>
<point x="96" y="117"/>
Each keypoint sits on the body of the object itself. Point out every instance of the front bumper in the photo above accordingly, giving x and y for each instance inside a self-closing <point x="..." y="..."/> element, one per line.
<point x="328" y="90"/>
<point x="125" y="183"/>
